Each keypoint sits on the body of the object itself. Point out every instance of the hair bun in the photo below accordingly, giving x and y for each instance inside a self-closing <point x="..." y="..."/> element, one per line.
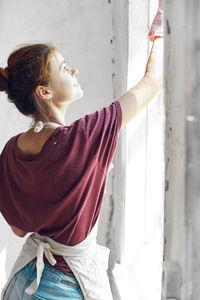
<point x="4" y="79"/>
<point x="4" y="72"/>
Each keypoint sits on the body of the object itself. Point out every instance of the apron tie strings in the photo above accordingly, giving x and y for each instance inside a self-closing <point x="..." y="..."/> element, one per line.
<point x="43" y="249"/>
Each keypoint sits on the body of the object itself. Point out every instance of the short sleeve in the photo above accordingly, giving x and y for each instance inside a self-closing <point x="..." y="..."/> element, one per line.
<point x="101" y="130"/>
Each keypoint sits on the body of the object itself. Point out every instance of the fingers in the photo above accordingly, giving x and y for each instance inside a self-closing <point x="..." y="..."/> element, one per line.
<point x="158" y="43"/>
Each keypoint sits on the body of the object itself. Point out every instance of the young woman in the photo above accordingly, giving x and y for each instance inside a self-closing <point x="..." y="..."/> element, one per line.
<point x="53" y="176"/>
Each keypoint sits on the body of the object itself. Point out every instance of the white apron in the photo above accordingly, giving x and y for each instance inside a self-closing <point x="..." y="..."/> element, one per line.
<point x="87" y="260"/>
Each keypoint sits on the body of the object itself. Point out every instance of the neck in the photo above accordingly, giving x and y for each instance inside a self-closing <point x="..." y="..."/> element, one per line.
<point x="54" y="121"/>
<point x="54" y="114"/>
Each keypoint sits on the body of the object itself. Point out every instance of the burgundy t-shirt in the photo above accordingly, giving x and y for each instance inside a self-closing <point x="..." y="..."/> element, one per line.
<point x="59" y="191"/>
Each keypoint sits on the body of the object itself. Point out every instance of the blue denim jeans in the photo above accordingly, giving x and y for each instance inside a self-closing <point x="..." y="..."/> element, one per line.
<point x="54" y="285"/>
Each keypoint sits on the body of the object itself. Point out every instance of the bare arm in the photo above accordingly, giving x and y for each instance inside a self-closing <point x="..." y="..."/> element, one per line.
<point x="141" y="94"/>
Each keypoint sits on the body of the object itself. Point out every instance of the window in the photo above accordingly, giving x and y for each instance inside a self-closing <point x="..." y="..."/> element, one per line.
<point x="139" y="178"/>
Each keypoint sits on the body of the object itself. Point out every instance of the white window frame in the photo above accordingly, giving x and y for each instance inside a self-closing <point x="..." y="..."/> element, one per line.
<point x="137" y="270"/>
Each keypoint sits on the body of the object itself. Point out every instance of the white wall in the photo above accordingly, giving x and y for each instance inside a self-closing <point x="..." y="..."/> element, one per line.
<point x="81" y="30"/>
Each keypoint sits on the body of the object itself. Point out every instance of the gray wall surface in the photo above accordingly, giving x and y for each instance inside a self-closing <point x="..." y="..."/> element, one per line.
<point x="182" y="210"/>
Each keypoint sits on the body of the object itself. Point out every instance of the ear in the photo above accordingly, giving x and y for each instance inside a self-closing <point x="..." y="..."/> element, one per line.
<point x="43" y="92"/>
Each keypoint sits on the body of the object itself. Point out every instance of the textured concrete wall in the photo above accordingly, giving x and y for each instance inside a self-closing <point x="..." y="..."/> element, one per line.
<point x="192" y="105"/>
<point x="82" y="32"/>
<point x="175" y="89"/>
<point x="182" y="211"/>
<point x="175" y="128"/>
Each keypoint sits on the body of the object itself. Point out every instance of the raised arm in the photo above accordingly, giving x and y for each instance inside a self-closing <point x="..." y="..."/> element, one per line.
<point x="141" y="94"/>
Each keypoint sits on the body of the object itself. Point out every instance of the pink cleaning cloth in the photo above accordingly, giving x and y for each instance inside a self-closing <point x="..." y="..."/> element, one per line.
<point x="156" y="30"/>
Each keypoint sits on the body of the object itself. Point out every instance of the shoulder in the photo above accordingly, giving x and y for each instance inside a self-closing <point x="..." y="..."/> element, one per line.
<point x="8" y="144"/>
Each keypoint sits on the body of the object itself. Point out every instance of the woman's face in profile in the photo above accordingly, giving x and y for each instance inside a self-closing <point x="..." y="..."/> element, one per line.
<point x="64" y="82"/>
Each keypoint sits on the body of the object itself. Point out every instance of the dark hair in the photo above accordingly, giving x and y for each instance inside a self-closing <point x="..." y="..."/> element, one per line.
<point x="28" y="66"/>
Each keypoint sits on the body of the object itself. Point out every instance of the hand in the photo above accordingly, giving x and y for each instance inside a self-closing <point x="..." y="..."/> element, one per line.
<point x="157" y="27"/>
<point x="154" y="67"/>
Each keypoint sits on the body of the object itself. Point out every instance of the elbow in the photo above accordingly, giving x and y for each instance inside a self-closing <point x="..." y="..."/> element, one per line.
<point x="21" y="234"/>
<point x="18" y="232"/>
